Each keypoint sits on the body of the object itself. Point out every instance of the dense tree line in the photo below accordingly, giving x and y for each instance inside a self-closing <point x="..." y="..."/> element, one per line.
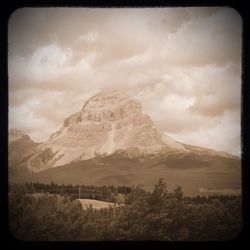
<point x="156" y="215"/>
<point x="103" y="193"/>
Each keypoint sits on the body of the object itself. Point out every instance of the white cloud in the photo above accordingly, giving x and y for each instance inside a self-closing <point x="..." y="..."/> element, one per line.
<point x="46" y="62"/>
<point x="89" y="37"/>
<point x="225" y="130"/>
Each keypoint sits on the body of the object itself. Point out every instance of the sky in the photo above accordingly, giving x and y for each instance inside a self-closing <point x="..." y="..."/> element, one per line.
<point x="183" y="64"/>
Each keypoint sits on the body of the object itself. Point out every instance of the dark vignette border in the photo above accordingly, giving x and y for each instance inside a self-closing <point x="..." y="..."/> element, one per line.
<point x="7" y="9"/>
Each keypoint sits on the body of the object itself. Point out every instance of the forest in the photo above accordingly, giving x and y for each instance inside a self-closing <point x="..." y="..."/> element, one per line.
<point x="157" y="215"/>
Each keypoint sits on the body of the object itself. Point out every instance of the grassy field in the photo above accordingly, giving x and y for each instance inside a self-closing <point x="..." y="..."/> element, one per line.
<point x="96" y="204"/>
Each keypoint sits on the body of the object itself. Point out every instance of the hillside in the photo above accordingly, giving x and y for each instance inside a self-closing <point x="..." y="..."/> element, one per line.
<point x="190" y="170"/>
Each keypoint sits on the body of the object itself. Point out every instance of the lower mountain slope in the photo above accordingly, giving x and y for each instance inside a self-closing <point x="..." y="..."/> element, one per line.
<point x="200" y="169"/>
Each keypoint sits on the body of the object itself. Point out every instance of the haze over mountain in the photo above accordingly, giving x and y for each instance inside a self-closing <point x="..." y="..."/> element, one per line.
<point x="111" y="141"/>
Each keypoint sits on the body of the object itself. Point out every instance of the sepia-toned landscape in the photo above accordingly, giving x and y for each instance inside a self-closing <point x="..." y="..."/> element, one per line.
<point x="124" y="124"/>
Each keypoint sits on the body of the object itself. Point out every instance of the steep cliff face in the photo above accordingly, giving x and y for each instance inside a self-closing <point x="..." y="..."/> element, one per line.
<point x="107" y="122"/>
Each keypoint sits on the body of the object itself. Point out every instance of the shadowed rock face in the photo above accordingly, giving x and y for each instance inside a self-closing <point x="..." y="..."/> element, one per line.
<point x="107" y="122"/>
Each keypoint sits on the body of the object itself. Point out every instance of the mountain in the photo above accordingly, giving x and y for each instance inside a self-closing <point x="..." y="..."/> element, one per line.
<point x="110" y="141"/>
<point x="107" y="122"/>
<point x="20" y="148"/>
<point x="15" y="134"/>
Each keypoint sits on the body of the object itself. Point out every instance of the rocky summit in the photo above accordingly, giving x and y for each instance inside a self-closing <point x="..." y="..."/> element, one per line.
<point x="107" y="122"/>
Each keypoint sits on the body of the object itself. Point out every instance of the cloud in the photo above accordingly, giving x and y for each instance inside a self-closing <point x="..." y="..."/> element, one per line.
<point x="218" y="90"/>
<point x="215" y="38"/>
<point x="226" y="129"/>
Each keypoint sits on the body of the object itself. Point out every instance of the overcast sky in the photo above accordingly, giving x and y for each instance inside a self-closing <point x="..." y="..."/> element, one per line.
<point x="183" y="64"/>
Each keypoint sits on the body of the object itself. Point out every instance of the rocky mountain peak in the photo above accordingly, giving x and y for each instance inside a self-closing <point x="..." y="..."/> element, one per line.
<point x="106" y="107"/>
<point x="109" y="121"/>
<point x="110" y="100"/>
